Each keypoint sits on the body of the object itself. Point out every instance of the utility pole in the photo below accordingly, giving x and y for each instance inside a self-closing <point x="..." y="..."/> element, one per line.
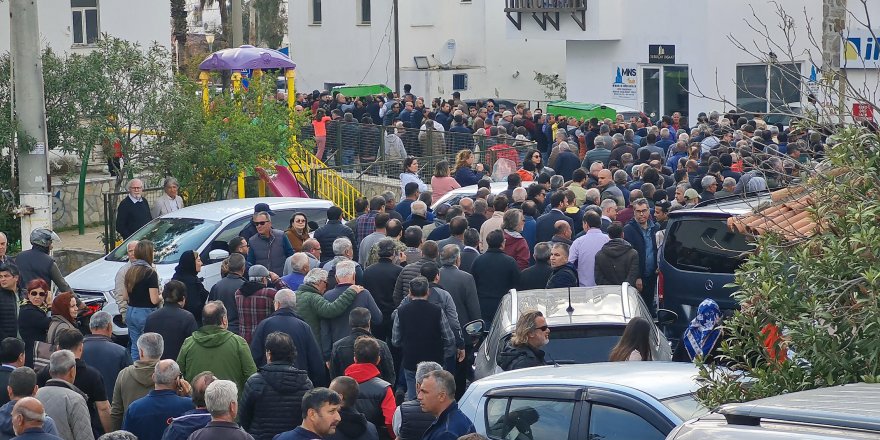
<point x="396" y="47"/>
<point x="237" y="32"/>
<point x="833" y="26"/>
<point x="33" y="167"/>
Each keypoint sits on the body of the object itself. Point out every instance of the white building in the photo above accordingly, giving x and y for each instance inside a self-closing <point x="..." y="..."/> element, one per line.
<point x="352" y="41"/>
<point x="663" y="56"/>
<point x="73" y="26"/>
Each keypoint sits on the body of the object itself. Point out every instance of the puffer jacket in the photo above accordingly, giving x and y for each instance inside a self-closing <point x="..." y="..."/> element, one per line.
<point x="514" y="358"/>
<point x="353" y="426"/>
<point x="271" y="401"/>
<point x="617" y="262"/>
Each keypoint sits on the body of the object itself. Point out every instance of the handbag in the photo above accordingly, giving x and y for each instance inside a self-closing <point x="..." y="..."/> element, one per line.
<point x="42" y="352"/>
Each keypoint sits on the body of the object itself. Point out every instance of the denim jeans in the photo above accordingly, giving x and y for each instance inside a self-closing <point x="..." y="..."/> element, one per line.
<point x="136" y="319"/>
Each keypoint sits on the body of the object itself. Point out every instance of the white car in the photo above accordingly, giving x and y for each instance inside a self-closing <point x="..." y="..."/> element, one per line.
<point x="204" y="228"/>
<point x="452" y="197"/>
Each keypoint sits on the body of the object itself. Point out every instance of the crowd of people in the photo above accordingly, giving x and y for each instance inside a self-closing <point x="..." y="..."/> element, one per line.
<point x="355" y="330"/>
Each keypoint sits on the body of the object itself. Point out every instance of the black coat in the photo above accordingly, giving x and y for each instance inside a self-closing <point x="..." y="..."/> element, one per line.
<point x="617" y="262"/>
<point x="308" y="355"/>
<point x="33" y="324"/>
<point x="196" y="294"/>
<point x="343" y="355"/>
<point x="563" y="276"/>
<point x="224" y="290"/>
<point x="514" y="358"/>
<point x="379" y="279"/>
<point x="535" y="277"/>
<point x="131" y="216"/>
<point x="328" y="233"/>
<point x="174" y="324"/>
<point x="544" y="227"/>
<point x="468" y="256"/>
<point x="272" y="399"/>
<point x="494" y="273"/>
<point x="353" y="426"/>
<point x="4" y="381"/>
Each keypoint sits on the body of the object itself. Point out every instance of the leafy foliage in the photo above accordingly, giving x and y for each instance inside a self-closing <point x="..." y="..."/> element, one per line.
<point x="822" y="292"/>
<point x="554" y="86"/>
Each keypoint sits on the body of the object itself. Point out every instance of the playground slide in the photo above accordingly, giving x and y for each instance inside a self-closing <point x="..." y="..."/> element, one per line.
<point x="282" y="184"/>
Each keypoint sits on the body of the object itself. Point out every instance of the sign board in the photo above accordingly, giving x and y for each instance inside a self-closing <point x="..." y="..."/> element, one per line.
<point x="813" y="82"/>
<point x="862" y="111"/>
<point x="625" y="87"/>
<point x="661" y="53"/>
<point x="39" y="148"/>
<point x="861" y="49"/>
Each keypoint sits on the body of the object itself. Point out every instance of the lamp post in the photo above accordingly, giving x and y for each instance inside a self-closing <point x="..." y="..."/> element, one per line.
<point x="210" y="39"/>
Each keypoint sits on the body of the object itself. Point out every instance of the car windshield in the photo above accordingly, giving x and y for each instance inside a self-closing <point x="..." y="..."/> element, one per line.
<point x="171" y="237"/>
<point x="685" y="406"/>
<point x="581" y="345"/>
<point x="706" y="245"/>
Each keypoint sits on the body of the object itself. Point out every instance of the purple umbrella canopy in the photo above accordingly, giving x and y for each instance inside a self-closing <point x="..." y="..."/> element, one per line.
<point x="246" y="57"/>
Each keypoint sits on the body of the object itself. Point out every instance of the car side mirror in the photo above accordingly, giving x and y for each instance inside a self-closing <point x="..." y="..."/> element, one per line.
<point x="665" y="317"/>
<point x="218" y="255"/>
<point x="476" y="331"/>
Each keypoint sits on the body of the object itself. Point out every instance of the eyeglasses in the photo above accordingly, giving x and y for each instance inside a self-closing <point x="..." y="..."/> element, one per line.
<point x="261" y="223"/>
<point x="543" y="328"/>
<point x="38" y="293"/>
<point x="300" y="220"/>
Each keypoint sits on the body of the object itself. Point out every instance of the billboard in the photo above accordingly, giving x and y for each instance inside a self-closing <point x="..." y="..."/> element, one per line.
<point x="861" y="49"/>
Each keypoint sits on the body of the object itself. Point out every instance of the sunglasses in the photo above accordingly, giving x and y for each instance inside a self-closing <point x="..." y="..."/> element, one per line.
<point x="261" y="223"/>
<point x="543" y="328"/>
<point x="39" y="293"/>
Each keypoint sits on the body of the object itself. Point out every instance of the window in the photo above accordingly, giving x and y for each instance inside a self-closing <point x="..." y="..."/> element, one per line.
<point x="364" y="12"/>
<point x="459" y="81"/>
<point x="609" y="423"/>
<point x="705" y="245"/>
<point x="774" y="88"/>
<point x="665" y="90"/>
<point x="315" y="11"/>
<point x="528" y="419"/>
<point x="84" y="21"/>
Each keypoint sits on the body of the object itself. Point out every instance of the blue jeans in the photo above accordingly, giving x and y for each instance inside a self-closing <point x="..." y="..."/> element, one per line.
<point x="410" y="376"/>
<point x="136" y="319"/>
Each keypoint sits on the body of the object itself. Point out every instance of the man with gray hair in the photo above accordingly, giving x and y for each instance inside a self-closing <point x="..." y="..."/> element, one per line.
<point x="102" y="353"/>
<point x="299" y="266"/>
<point x="478" y="217"/>
<point x="536" y="276"/>
<point x="286" y="320"/>
<point x="22" y="384"/>
<point x="148" y="416"/>
<point x="312" y="306"/>
<point x="221" y="398"/>
<point x="437" y="397"/>
<point x="28" y="419"/>
<point x="334" y="329"/>
<point x="343" y="250"/>
<point x="133" y="211"/>
<point x="710" y="186"/>
<point x="463" y="290"/>
<point x="254" y="300"/>
<point x="728" y="186"/>
<point x="410" y="421"/>
<point x="191" y="421"/>
<point x="342" y="355"/>
<point x="136" y="380"/>
<point x="118" y="435"/>
<point x="63" y="401"/>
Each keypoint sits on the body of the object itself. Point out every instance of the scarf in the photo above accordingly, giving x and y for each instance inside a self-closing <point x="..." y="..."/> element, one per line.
<point x="703" y="332"/>
<point x="139" y="262"/>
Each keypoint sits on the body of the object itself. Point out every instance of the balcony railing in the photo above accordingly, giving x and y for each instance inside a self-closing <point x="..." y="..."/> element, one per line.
<point x="546" y="11"/>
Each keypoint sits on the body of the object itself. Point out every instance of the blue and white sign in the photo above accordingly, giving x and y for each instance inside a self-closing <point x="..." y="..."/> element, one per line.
<point x="861" y="49"/>
<point x="625" y="84"/>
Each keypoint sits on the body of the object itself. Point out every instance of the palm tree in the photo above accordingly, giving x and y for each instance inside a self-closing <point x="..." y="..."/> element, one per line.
<point x="224" y="19"/>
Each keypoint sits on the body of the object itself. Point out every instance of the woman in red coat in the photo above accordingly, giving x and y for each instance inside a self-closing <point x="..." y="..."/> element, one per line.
<point x="514" y="243"/>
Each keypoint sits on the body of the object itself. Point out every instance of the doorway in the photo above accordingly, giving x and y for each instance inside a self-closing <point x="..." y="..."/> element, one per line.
<point x="665" y="90"/>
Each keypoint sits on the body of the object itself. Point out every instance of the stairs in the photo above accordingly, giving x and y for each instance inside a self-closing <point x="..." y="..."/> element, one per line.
<point x="321" y="181"/>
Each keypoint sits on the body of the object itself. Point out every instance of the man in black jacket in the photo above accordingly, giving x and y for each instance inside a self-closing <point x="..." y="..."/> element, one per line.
<point x="342" y="355"/>
<point x="331" y="231"/>
<point x="471" y="251"/>
<point x="494" y="273"/>
<point x="617" y="261"/>
<point x="172" y="321"/>
<point x="9" y="299"/>
<point x="224" y="290"/>
<point x="133" y="211"/>
<point x="545" y="227"/>
<point x="524" y="348"/>
<point x="12" y="357"/>
<point x="379" y="279"/>
<point x="536" y="276"/>
<point x="353" y="425"/>
<point x="101" y="352"/>
<point x="270" y="403"/>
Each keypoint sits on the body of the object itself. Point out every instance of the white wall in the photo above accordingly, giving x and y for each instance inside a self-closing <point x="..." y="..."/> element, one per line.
<point x="700" y="32"/>
<point x="132" y="20"/>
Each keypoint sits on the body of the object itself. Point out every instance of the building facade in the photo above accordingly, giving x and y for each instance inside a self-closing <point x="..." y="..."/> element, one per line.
<point x="74" y="26"/>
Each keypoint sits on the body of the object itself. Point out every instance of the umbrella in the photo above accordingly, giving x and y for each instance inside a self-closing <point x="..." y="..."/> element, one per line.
<point x="359" y="90"/>
<point x="246" y="57"/>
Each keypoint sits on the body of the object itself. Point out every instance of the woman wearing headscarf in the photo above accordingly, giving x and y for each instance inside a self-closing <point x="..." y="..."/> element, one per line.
<point x="187" y="272"/>
<point x="703" y="336"/>
<point x="64" y="312"/>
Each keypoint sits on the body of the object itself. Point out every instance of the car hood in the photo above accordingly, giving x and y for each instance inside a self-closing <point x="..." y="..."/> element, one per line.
<point x="100" y="275"/>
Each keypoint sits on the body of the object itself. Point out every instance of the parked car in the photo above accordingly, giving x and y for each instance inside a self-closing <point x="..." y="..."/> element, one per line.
<point x="841" y="412"/>
<point x="585" y="324"/>
<point x="698" y="257"/>
<point x="609" y="401"/>
<point x="454" y="196"/>
<point x="205" y="228"/>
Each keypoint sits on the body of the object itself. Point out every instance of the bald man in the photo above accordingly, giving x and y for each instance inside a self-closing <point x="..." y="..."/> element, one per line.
<point x="562" y="232"/>
<point x="4" y="245"/>
<point x="27" y="420"/>
<point x="608" y="189"/>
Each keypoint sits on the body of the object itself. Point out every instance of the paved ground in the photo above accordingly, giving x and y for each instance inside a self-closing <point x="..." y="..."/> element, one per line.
<point x="91" y="241"/>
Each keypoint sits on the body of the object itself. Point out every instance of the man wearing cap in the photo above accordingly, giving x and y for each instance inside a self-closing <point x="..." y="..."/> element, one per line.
<point x="507" y="121"/>
<point x="254" y="301"/>
<point x="133" y="211"/>
<point x="269" y="247"/>
<point x="691" y="198"/>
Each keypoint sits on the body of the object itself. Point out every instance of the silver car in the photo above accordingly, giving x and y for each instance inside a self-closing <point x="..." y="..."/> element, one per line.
<point x="608" y="401"/>
<point x="585" y="324"/>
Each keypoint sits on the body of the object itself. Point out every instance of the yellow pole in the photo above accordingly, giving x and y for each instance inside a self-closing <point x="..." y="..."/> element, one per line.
<point x="203" y="77"/>
<point x="258" y="73"/>
<point x="236" y="82"/>
<point x="290" y="75"/>
<point x="241" y="193"/>
<point x="261" y="188"/>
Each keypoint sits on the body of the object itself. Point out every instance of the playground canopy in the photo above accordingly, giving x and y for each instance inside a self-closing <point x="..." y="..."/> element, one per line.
<point x="359" y="90"/>
<point x="247" y="57"/>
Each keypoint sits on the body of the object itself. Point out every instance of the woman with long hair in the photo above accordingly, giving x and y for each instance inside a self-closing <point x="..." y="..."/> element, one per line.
<point x="187" y="272"/>
<point x="515" y="244"/>
<point x="531" y="166"/>
<point x="320" y="126"/>
<point x="33" y="318"/>
<point x="635" y="344"/>
<point x="298" y="232"/>
<point x="142" y="285"/>
<point x="64" y="312"/>
<point x="441" y="183"/>
<point x="409" y="174"/>
<point x="465" y="171"/>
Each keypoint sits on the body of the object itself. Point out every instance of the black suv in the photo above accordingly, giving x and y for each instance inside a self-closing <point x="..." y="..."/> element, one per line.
<point x="699" y="255"/>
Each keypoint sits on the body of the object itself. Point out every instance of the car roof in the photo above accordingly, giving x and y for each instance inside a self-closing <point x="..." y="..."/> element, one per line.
<point x="470" y="190"/>
<point x="833" y="406"/>
<point x="678" y="378"/>
<point x="727" y="206"/>
<point x="591" y="305"/>
<point x="222" y="209"/>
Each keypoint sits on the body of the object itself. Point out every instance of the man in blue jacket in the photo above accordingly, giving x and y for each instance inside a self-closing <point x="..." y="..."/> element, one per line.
<point x="437" y="397"/>
<point x="640" y="232"/>
<point x="196" y="419"/>
<point x="148" y="416"/>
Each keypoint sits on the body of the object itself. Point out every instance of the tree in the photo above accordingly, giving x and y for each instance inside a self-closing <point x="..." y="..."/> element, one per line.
<point x="224" y="18"/>
<point x="178" y="24"/>
<point x="271" y="22"/>
<point x="554" y="87"/>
